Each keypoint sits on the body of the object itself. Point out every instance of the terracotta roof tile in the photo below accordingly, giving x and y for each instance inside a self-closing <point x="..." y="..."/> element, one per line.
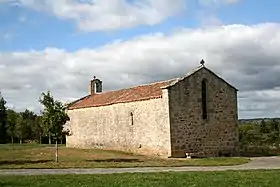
<point x="137" y="93"/>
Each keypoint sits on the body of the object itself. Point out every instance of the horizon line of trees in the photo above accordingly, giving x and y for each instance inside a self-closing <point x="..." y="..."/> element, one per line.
<point x="262" y="137"/>
<point x="27" y="126"/>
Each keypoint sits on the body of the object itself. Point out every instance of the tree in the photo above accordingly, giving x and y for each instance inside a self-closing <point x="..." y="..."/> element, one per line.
<point x="29" y="122"/>
<point x="54" y="117"/>
<point x="46" y="126"/>
<point x="11" y="123"/>
<point x="20" y="127"/>
<point x="38" y="128"/>
<point x="263" y="127"/>
<point x="246" y="135"/>
<point x="24" y="125"/>
<point x="3" y="120"/>
<point x="275" y="132"/>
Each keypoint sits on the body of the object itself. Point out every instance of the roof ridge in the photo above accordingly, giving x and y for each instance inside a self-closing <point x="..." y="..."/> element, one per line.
<point x="136" y="86"/>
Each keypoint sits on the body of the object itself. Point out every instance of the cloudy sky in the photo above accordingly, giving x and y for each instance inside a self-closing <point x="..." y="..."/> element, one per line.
<point x="59" y="45"/>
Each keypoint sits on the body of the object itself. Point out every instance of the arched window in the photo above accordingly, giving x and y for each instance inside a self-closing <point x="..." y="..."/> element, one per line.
<point x="204" y="98"/>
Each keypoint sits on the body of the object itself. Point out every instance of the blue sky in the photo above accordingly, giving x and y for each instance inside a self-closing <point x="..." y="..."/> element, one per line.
<point x="59" y="45"/>
<point x="23" y="28"/>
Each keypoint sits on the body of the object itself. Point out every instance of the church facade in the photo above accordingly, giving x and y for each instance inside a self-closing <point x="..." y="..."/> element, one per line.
<point x="196" y="113"/>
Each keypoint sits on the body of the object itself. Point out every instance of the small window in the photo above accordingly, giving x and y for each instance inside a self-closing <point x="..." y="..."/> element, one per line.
<point x="131" y="117"/>
<point x="204" y="98"/>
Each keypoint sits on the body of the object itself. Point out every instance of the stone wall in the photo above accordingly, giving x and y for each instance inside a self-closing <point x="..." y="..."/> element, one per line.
<point x="189" y="131"/>
<point x="139" y="127"/>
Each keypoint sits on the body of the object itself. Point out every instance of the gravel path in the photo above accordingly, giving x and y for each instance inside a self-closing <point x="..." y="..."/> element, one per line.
<point x="255" y="163"/>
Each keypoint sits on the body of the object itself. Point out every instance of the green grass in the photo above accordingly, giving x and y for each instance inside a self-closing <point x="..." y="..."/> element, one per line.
<point x="171" y="179"/>
<point x="42" y="156"/>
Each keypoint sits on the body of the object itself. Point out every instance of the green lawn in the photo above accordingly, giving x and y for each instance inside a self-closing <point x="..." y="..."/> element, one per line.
<point x="171" y="179"/>
<point x="42" y="156"/>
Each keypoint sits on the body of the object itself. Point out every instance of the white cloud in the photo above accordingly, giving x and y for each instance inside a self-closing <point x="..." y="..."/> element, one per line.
<point x="217" y="2"/>
<point x="246" y="56"/>
<point x="96" y="15"/>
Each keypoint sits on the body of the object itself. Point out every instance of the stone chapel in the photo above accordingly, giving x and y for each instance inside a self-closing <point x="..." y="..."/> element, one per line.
<point x="195" y="113"/>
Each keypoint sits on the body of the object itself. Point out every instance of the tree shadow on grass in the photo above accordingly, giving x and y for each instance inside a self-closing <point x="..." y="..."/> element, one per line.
<point x="116" y="160"/>
<point x="3" y="184"/>
<point x="22" y="162"/>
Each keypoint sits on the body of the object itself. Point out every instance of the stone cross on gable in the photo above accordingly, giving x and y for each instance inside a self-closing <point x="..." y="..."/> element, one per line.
<point x="202" y="62"/>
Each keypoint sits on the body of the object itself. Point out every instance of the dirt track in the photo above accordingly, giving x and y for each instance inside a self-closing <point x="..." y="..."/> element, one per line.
<point x="255" y="163"/>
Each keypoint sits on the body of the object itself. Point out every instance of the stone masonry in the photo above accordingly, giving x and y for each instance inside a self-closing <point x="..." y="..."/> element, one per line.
<point x="218" y="134"/>
<point x="140" y="127"/>
<point x="169" y="125"/>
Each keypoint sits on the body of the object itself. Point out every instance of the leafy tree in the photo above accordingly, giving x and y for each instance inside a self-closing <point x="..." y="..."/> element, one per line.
<point x="46" y="127"/>
<point x="20" y="127"/>
<point x="275" y="132"/>
<point x="24" y="125"/>
<point x="38" y="128"/>
<point x="54" y="117"/>
<point x="11" y="123"/>
<point x="263" y="127"/>
<point x="29" y="122"/>
<point x="48" y="103"/>
<point x="260" y="137"/>
<point x="246" y="135"/>
<point x="3" y="120"/>
<point x="275" y="125"/>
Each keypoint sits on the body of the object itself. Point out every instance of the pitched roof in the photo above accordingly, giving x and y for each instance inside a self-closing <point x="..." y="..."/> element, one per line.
<point x="194" y="71"/>
<point x="137" y="93"/>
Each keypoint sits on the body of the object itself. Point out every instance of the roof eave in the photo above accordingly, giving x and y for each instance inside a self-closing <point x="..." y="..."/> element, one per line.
<point x="222" y="79"/>
<point x="183" y="77"/>
<point x="73" y="102"/>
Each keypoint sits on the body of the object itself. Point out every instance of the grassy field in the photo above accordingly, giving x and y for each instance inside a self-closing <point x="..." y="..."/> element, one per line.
<point x="42" y="156"/>
<point x="191" y="179"/>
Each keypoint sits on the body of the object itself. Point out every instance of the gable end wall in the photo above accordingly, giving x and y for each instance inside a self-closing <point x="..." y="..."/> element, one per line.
<point x="189" y="132"/>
